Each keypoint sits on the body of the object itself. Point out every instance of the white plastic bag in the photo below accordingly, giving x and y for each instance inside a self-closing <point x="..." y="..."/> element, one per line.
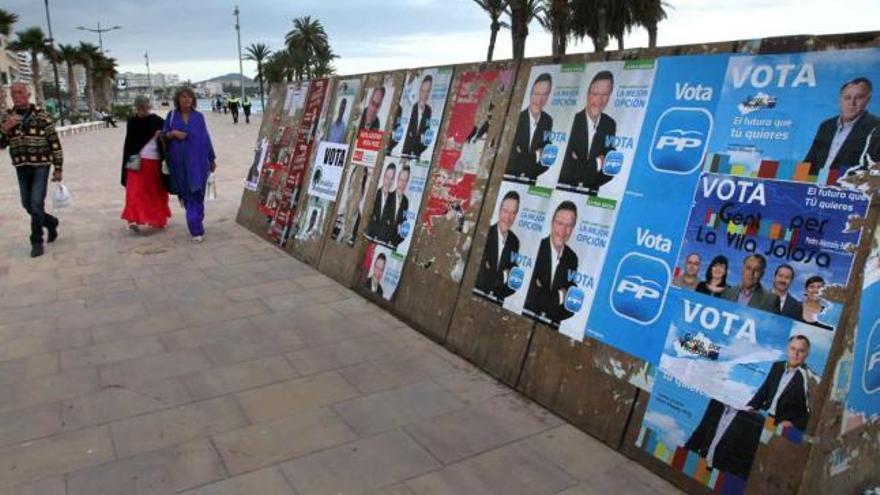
<point x="61" y="197"/>
<point x="212" y="187"/>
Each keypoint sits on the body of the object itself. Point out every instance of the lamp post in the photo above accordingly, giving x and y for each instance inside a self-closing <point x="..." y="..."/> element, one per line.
<point x="240" y="66"/>
<point x="149" y="77"/>
<point x="52" y="58"/>
<point x="100" y="31"/>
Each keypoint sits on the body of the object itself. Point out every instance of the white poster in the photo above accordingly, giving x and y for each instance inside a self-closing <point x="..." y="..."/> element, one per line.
<point x="327" y="170"/>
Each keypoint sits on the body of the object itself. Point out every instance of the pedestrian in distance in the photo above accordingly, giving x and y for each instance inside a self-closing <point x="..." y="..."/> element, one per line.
<point x="246" y="106"/>
<point x="146" y="198"/>
<point x="233" y="109"/>
<point x="29" y="133"/>
<point x="191" y="158"/>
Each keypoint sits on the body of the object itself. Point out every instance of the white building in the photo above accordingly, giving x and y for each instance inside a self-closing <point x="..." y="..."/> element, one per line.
<point x="14" y="67"/>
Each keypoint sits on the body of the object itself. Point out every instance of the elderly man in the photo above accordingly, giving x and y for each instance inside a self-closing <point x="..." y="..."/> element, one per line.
<point x="29" y="133"/>
<point x="750" y="292"/>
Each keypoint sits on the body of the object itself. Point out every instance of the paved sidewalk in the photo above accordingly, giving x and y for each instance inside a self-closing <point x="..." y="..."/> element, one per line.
<point x="149" y="365"/>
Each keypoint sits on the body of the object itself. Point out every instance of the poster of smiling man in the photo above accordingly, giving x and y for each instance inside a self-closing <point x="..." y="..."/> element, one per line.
<point x="418" y="113"/>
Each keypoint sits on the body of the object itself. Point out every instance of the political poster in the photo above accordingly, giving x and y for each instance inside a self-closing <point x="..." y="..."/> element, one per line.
<point x="326" y="172"/>
<point x="630" y="297"/>
<point x="803" y="117"/>
<point x="373" y="120"/>
<point x="417" y="115"/>
<point x="786" y="240"/>
<point x="597" y="112"/>
<point x="337" y="125"/>
<point x="350" y="210"/>
<point x="310" y="222"/>
<point x="295" y="97"/>
<point x="383" y="268"/>
<point x="280" y="230"/>
<point x="732" y="353"/>
<point x="467" y="151"/>
<point x="862" y="404"/>
<point x="253" y="175"/>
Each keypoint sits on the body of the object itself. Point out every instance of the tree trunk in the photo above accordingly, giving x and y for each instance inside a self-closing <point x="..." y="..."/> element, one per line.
<point x="601" y="40"/>
<point x="71" y="89"/>
<point x="262" y="76"/>
<point x="652" y="34"/>
<point x="35" y="78"/>
<point x="620" y="42"/>
<point x="519" y="28"/>
<point x="492" y="37"/>
<point x="90" y="90"/>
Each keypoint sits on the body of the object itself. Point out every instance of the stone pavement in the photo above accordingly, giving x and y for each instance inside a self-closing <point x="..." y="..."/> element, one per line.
<point x="149" y="365"/>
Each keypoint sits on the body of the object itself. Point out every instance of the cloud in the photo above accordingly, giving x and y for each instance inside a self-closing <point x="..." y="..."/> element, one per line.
<point x="666" y="427"/>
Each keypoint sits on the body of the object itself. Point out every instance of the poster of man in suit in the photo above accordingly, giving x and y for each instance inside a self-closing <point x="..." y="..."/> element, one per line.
<point x="421" y="106"/>
<point x="554" y="263"/>
<point x="499" y="255"/>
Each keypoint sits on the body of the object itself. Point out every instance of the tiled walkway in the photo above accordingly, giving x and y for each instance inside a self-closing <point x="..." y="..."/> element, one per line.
<point x="148" y="365"/>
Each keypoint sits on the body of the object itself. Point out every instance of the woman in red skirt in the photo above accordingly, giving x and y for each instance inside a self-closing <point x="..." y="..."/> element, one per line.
<point x="146" y="199"/>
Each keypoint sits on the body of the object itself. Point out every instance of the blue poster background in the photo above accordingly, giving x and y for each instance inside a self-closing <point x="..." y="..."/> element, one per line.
<point x="863" y="397"/>
<point x="631" y="295"/>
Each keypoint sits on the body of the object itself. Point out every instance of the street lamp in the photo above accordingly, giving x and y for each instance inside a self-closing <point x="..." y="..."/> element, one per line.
<point x="51" y="44"/>
<point x="100" y="31"/>
<point x="240" y="66"/>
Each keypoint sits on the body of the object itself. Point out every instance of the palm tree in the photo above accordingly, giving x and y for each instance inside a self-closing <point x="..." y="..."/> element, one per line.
<point x="521" y="13"/>
<point x="7" y="19"/>
<point x="554" y="17"/>
<point x="495" y="9"/>
<point x="71" y="56"/>
<point x="273" y="69"/>
<point x="305" y="41"/>
<point x="33" y="41"/>
<point x="323" y="65"/>
<point x="259" y="52"/>
<point x="649" y="13"/>
<point x="89" y="53"/>
<point x="104" y="73"/>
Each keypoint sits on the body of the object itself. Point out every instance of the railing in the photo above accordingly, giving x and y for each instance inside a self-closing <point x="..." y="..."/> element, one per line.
<point x="78" y="128"/>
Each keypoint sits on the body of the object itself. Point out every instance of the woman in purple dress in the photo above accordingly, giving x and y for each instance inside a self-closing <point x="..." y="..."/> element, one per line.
<point x="190" y="158"/>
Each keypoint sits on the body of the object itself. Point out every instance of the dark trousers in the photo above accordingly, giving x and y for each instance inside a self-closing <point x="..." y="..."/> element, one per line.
<point x="247" y="116"/>
<point x="33" y="183"/>
<point x="234" y="115"/>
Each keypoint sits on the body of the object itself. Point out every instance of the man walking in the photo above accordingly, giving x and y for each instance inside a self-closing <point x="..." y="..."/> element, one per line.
<point x="246" y="106"/>
<point x="33" y="146"/>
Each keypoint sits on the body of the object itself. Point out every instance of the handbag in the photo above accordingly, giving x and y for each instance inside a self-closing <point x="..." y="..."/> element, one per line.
<point x="133" y="163"/>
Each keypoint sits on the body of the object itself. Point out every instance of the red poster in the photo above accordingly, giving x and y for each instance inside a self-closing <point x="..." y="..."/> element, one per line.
<point x="366" y="148"/>
<point x="280" y="228"/>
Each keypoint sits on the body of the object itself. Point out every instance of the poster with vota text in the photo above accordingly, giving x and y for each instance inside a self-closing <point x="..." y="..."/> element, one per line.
<point x="467" y="150"/>
<point x="738" y="355"/>
<point x="803" y="117"/>
<point x="630" y="297"/>
<point x="702" y="438"/>
<point x="553" y="96"/>
<point x="514" y="235"/>
<point x="372" y="122"/>
<point x="862" y="403"/>
<point x="280" y="230"/>
<point x="417" y="115"/>
<point x="797" y="235"/>
<point x="382" y="267"/>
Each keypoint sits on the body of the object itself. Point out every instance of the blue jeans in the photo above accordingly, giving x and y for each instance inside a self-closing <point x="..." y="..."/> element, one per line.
<point x="33" y="182"/>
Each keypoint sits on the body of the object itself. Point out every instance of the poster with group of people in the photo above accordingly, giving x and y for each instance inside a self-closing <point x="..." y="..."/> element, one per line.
<point x="371" y="123"/>
<point x="573" y="147"/>
<point x="334" y="135"/>
<point x="393" y="208"/>
<point x="467" y="151"/>
<point x="737" y="220"/>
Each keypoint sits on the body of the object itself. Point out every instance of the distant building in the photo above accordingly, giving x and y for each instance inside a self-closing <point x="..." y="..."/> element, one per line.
<point x="136" y="80"/>
<point x="14" y="67"/>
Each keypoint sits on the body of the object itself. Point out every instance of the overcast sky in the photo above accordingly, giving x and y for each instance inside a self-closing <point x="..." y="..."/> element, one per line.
<point x="196" y="38"/>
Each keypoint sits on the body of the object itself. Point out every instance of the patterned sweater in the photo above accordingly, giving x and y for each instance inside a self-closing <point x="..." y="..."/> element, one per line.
<point x="34" y="141"/>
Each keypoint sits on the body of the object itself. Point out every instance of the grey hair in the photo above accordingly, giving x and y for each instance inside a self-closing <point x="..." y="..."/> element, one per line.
<point x="141" y="101"/>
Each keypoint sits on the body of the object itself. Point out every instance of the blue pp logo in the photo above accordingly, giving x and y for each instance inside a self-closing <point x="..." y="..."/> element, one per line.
<point x="574" y="299"/>
<point x="398" y="133"/>
<point x="515" y="280"/>
<point x="404" y="229"/>
<point x="613" y="163"/>
<point x="640" y="287"/>
<point x="871" y="375"/>
<point x="428" y="138"/>
<point x="681" y="138"/>
<point x="548" y="156"/>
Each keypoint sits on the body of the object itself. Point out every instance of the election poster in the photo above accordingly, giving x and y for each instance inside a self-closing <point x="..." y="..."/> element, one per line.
<point x="253" y="175"/>
<point x="552" y="98"/>
<point x="310" y="222"/>
<point x="862" y="404"/>
<point x="337" y="124"/>
<point x="733" y="353"/>
<point x="326" y="172"/>
<point x="350" y="210"/>
<point x="467" y="151"/>
<point x="596" y="139"/>
<point x="280" y="230"/>
<point x="786" y="240"/>
<point x="804" y="117"/>
<point x="295" y="97"/>
<point x="372" y="122"/>
<point x="417" y="115"/>
<point x="631" y="295"/>
<point x="383" y="268"/>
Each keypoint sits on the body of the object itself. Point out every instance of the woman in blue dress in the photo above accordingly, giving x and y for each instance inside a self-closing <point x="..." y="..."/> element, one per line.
<point x="191" y="158"/>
